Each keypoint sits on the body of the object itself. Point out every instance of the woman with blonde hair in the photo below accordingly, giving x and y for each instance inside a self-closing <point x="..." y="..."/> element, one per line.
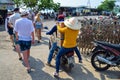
<point x="38" y="26"/>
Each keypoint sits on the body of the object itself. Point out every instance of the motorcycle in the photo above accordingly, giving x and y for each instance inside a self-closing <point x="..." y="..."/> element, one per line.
<point x="105" y="55"/>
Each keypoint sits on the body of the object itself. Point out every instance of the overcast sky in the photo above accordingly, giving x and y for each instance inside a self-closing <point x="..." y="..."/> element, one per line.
<point x="93" y="3"/>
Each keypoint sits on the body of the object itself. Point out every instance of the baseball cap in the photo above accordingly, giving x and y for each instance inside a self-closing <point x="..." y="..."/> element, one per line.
<point x="61" y="18"/>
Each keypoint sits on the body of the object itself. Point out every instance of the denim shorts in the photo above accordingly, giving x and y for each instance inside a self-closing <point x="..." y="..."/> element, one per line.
<point x="38" y="26"/>
<point x="24" y="45"/>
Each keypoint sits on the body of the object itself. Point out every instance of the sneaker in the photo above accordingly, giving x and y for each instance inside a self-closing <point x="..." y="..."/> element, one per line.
<point x="48" y="64"/>
<point x="80" y="61"/>
<point x="56" y="75"/>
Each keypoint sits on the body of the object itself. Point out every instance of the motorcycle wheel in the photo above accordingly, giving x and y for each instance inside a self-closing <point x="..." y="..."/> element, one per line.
<point x="98" y="65"/>
<point x="67" y="67"/>
<point x="71" y="66"/>
<point x="64" y="64"/>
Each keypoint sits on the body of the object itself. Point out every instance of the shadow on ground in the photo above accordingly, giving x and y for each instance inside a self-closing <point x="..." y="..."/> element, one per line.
<point x="44" y="41"/>
<point x="85" y="74"/>
<point x="37" y="73"/>
<point x="115" y="74"/>
<point x="82" y="72"/>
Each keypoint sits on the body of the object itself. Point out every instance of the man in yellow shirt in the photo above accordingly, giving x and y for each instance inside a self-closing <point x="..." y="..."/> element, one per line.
<point x="69" y="44"/>
<point x="56" y="38"/>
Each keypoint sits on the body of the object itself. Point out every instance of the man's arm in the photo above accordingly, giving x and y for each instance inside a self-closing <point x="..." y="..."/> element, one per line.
<point x="33" y="40"/>
<point x="32" y="32"/>
<point x="16" y="35"/>
<point x="54" y="29"/>
<point x="6" y="24"/>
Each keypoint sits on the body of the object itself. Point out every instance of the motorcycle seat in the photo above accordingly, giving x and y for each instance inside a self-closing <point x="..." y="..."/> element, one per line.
<point x="115" y="46"/>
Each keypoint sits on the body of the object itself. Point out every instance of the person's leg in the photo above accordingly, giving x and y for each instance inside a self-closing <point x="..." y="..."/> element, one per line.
<point x="17" y="47"/>
<point x="12" y="40"/>
<point x="10" y="32"/>
<point x="25" y="58"/>
<point x="52" y="49"/>
<point x="37" y="33"/>
<point x="28" y="54"/>
<point x="40" y="33"/>
<point x="60" y="53"/>
<point x="78" y="54"/>
<point x="25" y="48"/>
<point x="35" y="30"/>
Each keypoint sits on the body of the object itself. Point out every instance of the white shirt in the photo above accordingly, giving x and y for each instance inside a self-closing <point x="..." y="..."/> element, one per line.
<point x="13" y="18"/>
<point x="6" y="23"/>
<point x="24" y="27"/>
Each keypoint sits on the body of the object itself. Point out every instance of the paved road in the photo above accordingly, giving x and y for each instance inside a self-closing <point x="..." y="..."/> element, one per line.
<point x="13" y="69"/>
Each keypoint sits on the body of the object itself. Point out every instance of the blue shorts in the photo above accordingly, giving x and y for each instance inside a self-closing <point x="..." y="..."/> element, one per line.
<point x="24" y="45"/>
<point x="38" y="26"/>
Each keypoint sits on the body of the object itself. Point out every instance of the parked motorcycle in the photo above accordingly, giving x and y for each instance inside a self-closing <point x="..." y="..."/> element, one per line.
<point x="105" y="55"/>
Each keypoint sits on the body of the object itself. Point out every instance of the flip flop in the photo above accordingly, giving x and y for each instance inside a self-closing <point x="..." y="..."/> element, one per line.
<point x="28" y="70"/>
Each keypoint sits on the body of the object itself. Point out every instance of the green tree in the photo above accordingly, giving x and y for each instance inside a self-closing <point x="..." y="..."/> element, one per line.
<point x="17" y="2"/>
<point x="56" y="7"/>
<point x="30" y="3"/>
<point x="41" y="4"/>
<point x="48" y="4"/>
<point x="107" y="5"/>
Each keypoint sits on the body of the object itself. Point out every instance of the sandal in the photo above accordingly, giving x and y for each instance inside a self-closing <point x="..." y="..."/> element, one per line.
<point x="28" y="70"/>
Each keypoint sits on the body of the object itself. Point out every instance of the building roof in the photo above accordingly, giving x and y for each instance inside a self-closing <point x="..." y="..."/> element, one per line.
<point x="6" y="2"/>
